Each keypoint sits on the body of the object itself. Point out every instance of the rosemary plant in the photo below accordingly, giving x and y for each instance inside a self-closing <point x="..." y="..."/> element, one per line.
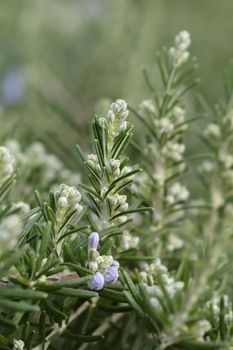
<point x="126" y="259"/>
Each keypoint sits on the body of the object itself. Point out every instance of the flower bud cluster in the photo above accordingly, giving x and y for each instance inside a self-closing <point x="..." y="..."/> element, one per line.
<point x="15" y="148"/>
<point x="155" y="267"/>
<point x="179" y="53"/>
<point x="129" y="241"/>
<point x="174" y="242"/>
<point x="177" y="193"/>
<point x="92" y="161"/>
<point x="200" y="328"/>
<point x="169" y="130"/>
<point x="158" y="273"/>
<point x="7" y="162"/>
<point x="207" y="167"/>
<point x="164" y="126"/>
<point x="23" y="207"/>
<point x="142" y="185"/>
<point x="18" y="345"/>
<point x="179" y="116"/>
<point x="213" y="132"/>
<point x="147" y="107"/>
<point x="165" y="149"/>
<point x="104" y="266"/>
<point x="213" y="308"/>
<point x="40" y="165"/>
<point x="68" y="198"/>
<point x="218" y="135"/>
<point x="174" y="151"/>
<point x="108" y="167"/>
<point x="119" y="202"/>
<point x="10" y="228"/>
<point x="197" y="329"/>
<point x="226" y="163"/>
<point x="39" y="158"/>
<point x="49" y="166"/>
<point x="116" y="117"/>
<point x="114" y="167"/>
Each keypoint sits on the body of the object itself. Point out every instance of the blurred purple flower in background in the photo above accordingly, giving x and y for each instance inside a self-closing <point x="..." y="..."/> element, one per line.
<point x="12" y="88"/>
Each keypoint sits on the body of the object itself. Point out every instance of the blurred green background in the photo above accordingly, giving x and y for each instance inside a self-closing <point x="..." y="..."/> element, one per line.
<point x="59" y="58"/>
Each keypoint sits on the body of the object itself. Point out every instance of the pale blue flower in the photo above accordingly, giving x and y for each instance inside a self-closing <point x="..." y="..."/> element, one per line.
<point x="115" y="264"/>
<point x="111" y="275"/>
<point x="97" y="281"/>
<point x="93" y="241"/>
<point x="13" y="87"/>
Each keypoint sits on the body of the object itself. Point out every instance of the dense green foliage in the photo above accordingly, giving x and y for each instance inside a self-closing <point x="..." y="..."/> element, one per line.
<point x="116" y="254"/>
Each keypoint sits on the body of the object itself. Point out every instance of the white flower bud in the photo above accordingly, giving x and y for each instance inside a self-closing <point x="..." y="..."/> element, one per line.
<point x="10" y="228"/>
<point x="213" y="132"/>
<point x="62" y="202"/>
<point x="158" y="266"/>
<point x="207" y="167"/>
<point x="122" y="219"/>
<point x="179" y="53"/>
<point x="143" y="276"/>
<point x="174" y="242"/>
<point x="229" y="318"/>
<point x="164" y="125"/>
<point x="201" y="327"/>
<point x="114" y="165"/>
<point x="69" y="197"/>
<point x="103" y="191"/>
<point x="122" y="199"/>
<point x="177" y="193"/>
<point x="92" y="161"/>
<point x="119" y="106"/>
<point x="102" y="122"/>
<point x="183" y="40"/>
<point x="23" y="207"/>
<point x="179" y="115"/>
<point x="93" y="158"/>
<point x="116" y="117"/>
<point x="183" y="57"/>
<point x="128" y="241"/>
<point x="174" y="151"/>
<point x="104" y="261"/>
<point x="7" y="162"/>
<point x="147" y="106"/>
<point x="124" y="206"/>
<point x="170" y="199"/>
<point x="110" y="116"/>
<point x="78" y="207"/>
<point x="122" y="127"/>
<point x="18" y="344"/>
<point x="226" y="160"/>
<point x="93" y="266"/>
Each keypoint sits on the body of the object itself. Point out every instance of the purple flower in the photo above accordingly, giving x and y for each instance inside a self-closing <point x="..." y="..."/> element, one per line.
<point x="111" y="274"/>
<point x="13" y="87"/>
<point x="93" y="241"/>
<point x="115" y="264"/>
<point x="97" y="281"/>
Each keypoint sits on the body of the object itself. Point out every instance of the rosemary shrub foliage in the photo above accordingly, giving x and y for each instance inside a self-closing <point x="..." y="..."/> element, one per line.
<point x="94" y="266"/>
